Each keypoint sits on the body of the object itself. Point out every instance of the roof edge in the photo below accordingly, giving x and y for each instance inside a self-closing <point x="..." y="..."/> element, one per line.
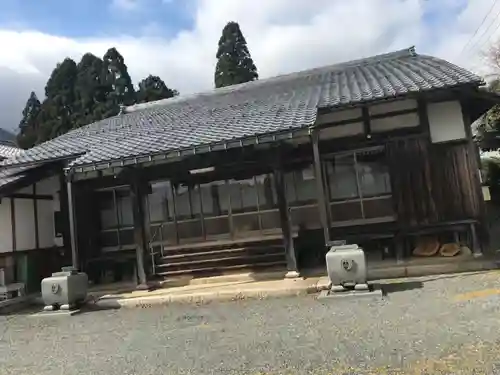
<point x="406" y="52"/>
<point x="6" y="165"/>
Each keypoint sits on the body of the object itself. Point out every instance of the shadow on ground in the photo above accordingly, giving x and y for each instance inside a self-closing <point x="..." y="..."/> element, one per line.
<point x="400" y="287"/>
<point x="37" y="308"/>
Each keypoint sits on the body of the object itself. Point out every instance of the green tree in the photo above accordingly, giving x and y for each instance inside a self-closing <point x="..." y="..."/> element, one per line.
<point x="488" y="126"/>
<point x="234" y="63"/>
<point x="487" y="133"/>
<point x="90" y="91"/>
<point x="117" y="83"/>
<point x="58" y="107"/>
<point x="77" y="95"/>
<point x="27" y="135"/>
<point x="153" y="88"/>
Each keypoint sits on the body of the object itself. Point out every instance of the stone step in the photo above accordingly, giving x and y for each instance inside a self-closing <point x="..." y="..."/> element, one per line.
<point x="219" y="270"/>
<point x="217" y="246"/>
<point x="222" y="262"/>
<point x="216" y="254"/>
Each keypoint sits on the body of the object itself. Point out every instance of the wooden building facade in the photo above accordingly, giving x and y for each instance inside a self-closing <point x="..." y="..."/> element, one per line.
<point x="267" y="174"/>
<point x="32" y="227"/>
<point x="381" y="176"/>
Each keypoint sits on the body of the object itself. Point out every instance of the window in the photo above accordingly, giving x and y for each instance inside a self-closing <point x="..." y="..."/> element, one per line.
<point x="342" y="177"/>
<point x="359" y="186"/>
<point x="161" y="207"/>
<point x="373" y="174"/>
<point x="124" y="207"/>
<point x="300" y="186"/>
<point x="117" y="220"/>
<point x="183" y="202"/>
<point x="213" y="209"/>
<point x="250" y="194"/>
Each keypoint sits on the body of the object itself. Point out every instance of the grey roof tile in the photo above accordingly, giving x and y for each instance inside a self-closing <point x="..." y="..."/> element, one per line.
<point x="7" y="151"/>
<point x="10" y="175"/>
<point x="265" y="106"/>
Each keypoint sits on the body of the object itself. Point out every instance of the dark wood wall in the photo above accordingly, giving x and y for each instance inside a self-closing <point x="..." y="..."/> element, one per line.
<point x="434" y="182"/>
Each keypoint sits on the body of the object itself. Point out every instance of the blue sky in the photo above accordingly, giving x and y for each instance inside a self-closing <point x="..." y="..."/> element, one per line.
<point x="177" y="39"/>
<point x="93" y="18"/>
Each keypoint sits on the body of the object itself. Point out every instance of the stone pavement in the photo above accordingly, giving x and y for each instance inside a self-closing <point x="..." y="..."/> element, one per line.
<point x="444" y="324"/>
<point x="231" y="288"/>
<point x="273" y="284"/>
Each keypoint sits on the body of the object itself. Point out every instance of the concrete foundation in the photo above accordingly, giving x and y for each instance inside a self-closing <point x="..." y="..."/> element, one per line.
<point x="352" y="294"/>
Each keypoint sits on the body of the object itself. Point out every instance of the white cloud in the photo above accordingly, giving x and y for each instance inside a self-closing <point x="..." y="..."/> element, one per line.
<point x="283" y="36"/>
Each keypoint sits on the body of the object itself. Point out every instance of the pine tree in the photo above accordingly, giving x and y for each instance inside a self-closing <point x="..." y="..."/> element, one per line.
<point x="58" y="107"/>
<point x="90" y="91"/>
<point x="118" y="84"/>
<point x="28" y="125"/>
<point x="153" y="88"/>
<point x="234" y="63"/>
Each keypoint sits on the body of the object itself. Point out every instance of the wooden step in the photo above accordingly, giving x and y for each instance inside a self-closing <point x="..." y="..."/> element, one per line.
<point x="189" y="249"/>
<point x="213" y="271"/>
<point x="221" y="262"/>
<point x="242" y="251"/>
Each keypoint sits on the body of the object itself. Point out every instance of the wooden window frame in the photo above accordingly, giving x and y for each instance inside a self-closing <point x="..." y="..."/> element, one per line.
<point x="360" y="198"/>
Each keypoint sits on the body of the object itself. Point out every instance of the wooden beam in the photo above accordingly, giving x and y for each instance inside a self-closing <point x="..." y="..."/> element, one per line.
<point x="366" y="122"/>
<point x="14" y="239"/>
<point x="13" y="223"/>
<point x="64" y="212"/>
<point x="72" y="222"/>
<point x="484" y="235"/>
<point x="423" y="117"/>
<point x="35" y="214"/>
<point x="320" y="189"/>
<point x="137" y="195"/>
<point x="286" y="224"/>
<point x="31" y="196"/>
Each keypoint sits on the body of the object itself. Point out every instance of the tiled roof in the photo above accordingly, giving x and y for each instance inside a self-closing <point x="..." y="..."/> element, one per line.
<point x="10" y="175"/>
<point x="237" y="112"/>
<point x="7" y="151"/>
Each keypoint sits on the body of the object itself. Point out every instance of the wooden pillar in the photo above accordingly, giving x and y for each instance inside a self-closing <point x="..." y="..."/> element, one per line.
<point x="137" y="195"/>
<point x="320" y="188"/>
<point x="482" y="238"/>
<point x="72" y="222"/>
<point x="63" y="209"/>
<point x="286" y="225"/>
<point x="476" y="244"/>
<point x="14" y="237"/>
<point x="35" y="214"/>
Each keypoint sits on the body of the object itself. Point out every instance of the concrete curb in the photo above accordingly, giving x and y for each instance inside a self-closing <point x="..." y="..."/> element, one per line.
<point x="201" y="298"/>
<point x="289" y="288"/>
<point x="19" y="303"/>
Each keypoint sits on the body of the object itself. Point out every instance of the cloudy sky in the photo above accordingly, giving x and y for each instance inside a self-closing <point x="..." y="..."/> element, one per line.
<point x="177" y="39"/>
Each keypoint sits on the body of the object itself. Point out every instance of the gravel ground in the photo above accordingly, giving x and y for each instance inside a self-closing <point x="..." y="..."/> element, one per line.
<point x="437" y="325"/>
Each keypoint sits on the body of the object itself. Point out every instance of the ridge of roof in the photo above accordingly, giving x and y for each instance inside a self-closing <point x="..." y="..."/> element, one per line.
<point x="406" y="52"/>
